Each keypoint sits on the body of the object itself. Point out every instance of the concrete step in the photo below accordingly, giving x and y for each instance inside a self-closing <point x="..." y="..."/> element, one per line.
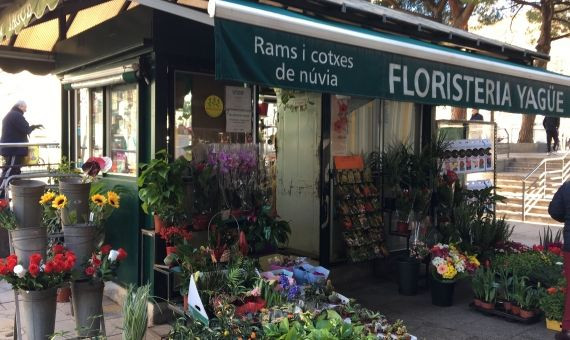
<point x="531" y="217"/>
<point x="518" y="201"/>
<point x="517" y="208"/>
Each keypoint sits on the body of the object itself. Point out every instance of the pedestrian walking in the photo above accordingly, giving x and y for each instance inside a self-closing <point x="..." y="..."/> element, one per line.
<point x="15" y="129"/>
<point x="475" y="115"/>
<point x="551" y="125"/>
<point x="559" y="209"/>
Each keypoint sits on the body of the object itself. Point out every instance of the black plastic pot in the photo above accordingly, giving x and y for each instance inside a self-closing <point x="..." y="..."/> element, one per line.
<point x="408" y="270"/>
<point x="442" y="293"/>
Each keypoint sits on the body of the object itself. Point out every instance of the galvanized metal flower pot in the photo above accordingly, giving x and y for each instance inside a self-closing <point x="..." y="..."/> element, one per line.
<point x="80" y="239"/>
<point x="28" y="241"/>
<point x="77" y="194"/>
<point x="87" y="307"/>
<point x="25" y="197"/>
<point x="38" y="313"/>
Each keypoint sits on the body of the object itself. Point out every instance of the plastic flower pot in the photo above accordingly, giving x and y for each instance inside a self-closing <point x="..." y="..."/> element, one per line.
<point x="442" y="292"/>
<point x="185" y="302"/>
<point x="403" y="227"/>
<point x="477" y="302"/>
<point x="508" y="306"/>
<point x="80" y="239"/>
<point x="487" y="305"/>
<point x="515" y="310"/>
<point x="554" y="325"/>
<point x="63" y="294"/>
<point x="526" y="314"/>
<point x="29" y="241"/>
<point x="408" y="270"/>
<point x="159" y="223"/>
<point x="37" y="310"/>
<point x="87" y="306"/>
<point x="25" y="197"/>
<point x="77" y="194"/>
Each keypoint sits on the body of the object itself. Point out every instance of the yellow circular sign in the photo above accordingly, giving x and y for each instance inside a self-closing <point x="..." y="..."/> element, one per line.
<point x="214" y="106"/>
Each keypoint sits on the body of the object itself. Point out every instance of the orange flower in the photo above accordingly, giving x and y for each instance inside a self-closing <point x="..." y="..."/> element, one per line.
<point x="552" y="290"/>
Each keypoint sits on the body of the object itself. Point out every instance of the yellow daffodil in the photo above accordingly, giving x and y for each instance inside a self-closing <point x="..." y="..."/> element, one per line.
<point x="99" y="199"/>
<point x="59" y="202"/>
<point x="113" y="199"/>
<point x="47" y="197"/>
<point x="474" y="260"/>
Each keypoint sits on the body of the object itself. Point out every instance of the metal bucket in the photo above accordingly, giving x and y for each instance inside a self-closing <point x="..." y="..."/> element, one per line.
<point x="87" y="307"/>
<point x="77" y="194"/>
<point x="29" y="241"/>
<point x="26" y="195"/>
<point x="38" y="313"/>
<point x="80" y="239"/>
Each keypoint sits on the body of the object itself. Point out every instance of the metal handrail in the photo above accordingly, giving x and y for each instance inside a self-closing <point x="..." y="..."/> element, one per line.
<point x="537" y="189"/>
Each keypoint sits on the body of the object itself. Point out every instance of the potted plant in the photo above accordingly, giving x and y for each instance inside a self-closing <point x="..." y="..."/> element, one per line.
<point x="88" y="293"/>
<point x="37" y="284"/>
<point x="505" y="281"/>
<point x="447" y="266"/>
<point x="403" y="206"/>
<point x="162" y="187"/>
<point x="174" y="236"/>
<point x="266" y="233"/>
<point x="489" y="286"/>
<point x="205" y="194"/>
<point x="408" y="268"/>
<point x="529" y="302"/>
<point x="135" y="312"/>
<point x="552" y="304"/>
<point x="518" y="293"/>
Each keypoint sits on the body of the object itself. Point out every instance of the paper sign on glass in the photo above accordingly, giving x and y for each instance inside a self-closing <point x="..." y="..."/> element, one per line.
<point x="195" y="305"/>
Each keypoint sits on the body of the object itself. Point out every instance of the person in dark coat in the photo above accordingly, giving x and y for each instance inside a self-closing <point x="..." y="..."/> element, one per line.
<point x="475" y="115"/>
<point x="551" y="125"/>
<point x="15" y="129"/>
<point x="559" y="209"/>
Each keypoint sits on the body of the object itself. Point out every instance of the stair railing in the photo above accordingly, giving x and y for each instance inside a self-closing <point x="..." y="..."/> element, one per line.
<point x="535" y="183"/>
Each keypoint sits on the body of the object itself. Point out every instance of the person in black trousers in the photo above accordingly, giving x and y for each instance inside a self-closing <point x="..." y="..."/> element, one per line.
<point x="15" y="129"/>
<point x="551" y="125"/>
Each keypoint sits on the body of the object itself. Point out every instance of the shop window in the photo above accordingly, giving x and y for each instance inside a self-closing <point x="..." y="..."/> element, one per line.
<point x="123" y="129"/>
<point x="400" y="123"/>
<point x="183" y="114"/>
<point x="89" y="131"/>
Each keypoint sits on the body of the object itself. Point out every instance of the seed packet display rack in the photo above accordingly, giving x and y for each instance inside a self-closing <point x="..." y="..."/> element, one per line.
<point x="358" y="212"/>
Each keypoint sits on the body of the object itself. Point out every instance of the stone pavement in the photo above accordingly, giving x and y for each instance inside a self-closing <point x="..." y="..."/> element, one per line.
<point x="64" y="321"/>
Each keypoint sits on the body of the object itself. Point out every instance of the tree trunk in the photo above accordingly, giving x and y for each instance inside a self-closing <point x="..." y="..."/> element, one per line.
<point x="526" y="134"/>
<point x="458" y="113"/>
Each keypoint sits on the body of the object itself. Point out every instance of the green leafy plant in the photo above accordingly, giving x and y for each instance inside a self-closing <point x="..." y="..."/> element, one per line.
<point x="135" y="312"/>
<point x="7" y="216"/>
<point x="552" y="303"/>
<point x="548" y="237"/>
<point x="530" y="299"/>
<point x="161" y="187"/>
<point x="267" y="232"/>
<point x="505" y="280"/>
<point x="519" y="289"/>
<point x="484" y="284"/>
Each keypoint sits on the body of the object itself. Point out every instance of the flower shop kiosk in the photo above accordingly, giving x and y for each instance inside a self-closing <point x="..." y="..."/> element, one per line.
<point x="256" y="103"/>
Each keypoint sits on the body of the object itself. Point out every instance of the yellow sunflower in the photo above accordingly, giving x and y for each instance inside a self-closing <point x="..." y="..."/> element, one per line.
<point x="59" y="202"/>
<point x="99" y="199"/>
<point x="113" y="199"/>
<point x="47" y="197"/>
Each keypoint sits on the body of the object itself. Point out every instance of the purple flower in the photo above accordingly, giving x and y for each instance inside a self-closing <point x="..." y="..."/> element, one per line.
<point x="283" y="281"/>
<point x="293" y="292"/>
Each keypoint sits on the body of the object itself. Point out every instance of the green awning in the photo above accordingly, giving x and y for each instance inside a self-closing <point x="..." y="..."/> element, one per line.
<point x="275" y="47"/>
<point x="17" y="16"/>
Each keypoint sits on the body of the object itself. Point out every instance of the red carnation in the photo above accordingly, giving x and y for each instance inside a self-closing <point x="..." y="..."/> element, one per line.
<point x="35" y="258"/>
<point x="95" y="261"/>
<point x="48" y="268"/>
<point x="105" y="249"/>
<point x="58" y="249"/>
<point x="3" y="204"/>
<point x="58" y="266"/>
<point x="34" y="269"/>
<point x="89" y="271"/>
<point x="68" y="265"/>
<point x="555" y="250"/>
<point x="122" y="254"/>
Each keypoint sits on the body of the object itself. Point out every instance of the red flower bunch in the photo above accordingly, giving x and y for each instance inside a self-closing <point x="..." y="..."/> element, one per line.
<point x="41" y="273"/>
<point x="175" y="235"/>
<point x="4" y="203"/>
<point x="450" y="177"/>
<point x="104" y="262"/>
<point x="555" y="249"/>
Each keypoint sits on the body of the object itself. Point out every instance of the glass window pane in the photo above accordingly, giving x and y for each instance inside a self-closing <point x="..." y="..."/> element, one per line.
<point x="123" y="134"/>
<point x="82" y="129"/>
<point x="183" y="114"/>
<point x="97" y="123"/>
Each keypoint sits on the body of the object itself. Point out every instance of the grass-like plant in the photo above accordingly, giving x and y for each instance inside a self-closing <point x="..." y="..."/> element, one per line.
<point x="135" y="312"/>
